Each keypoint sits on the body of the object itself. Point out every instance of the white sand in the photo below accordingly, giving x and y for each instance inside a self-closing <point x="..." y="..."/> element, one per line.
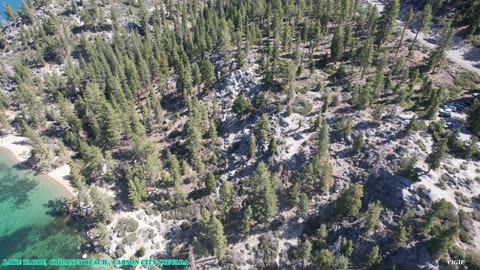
<point x="17" y="146"/>
<point x="20" y="149"/>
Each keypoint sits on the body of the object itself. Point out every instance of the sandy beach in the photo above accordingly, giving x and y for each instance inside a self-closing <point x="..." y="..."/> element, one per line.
<point x="18" y="148"/>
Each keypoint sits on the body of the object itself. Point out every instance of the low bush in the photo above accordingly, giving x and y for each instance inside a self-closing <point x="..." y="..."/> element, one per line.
<point x="302" y="106"/>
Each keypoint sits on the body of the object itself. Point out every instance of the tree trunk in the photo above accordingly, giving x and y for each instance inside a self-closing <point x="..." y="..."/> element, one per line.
<point x="401" y="40"/>
<point x="413" y="44"/>
<point x="440" y="56"/>
<point x="379" y="44"/>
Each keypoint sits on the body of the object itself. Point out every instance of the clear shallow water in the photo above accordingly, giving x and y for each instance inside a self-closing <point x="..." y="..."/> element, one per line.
<point x="15" y="4"/>
<point x="30" y="226"/>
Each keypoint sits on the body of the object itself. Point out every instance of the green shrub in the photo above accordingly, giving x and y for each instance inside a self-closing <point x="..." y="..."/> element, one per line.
<point x="302" y="106"/>
<point x="141" y="252"/>
<point x="407" y="167"/>
<point x="467" y="79"/>
<point x="241" y="105"/>
<point x="126" y="225"/>
<point x="130" y="239"/>
<point x="456" y="253"/>
<point x="473" y="259"/>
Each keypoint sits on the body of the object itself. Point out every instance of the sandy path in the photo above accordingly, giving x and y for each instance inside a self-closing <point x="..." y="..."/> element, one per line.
<point x="465" y="55"/>
<point x="457" y="53"/>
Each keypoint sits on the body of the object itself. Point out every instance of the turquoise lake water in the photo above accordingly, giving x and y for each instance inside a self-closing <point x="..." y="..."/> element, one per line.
<point x="16" y="4"/>
<point x="30" y="227"/>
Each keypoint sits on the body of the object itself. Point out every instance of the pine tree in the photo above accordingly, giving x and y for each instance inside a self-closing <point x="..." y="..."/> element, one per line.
<point x="435" y="98"/>
<point x="294" y="195"/>
<point x="439" y="153"/>
<point x="362" y="96"/>
<point x="208" y="74"/>
<point x="348" y="37"/>
<point x="247" y="220"/>
<point x="219" y="241"/>
<point x="262" y="128"/>
<point x="303" y="205"/>
<point x="51" y="25"/>
<point x="341" y="263"/>
<point x="311" y="65"/>
<point x="204" y="223"/>
<point x="226" y="197"/>
<point x="196" y="74"/>
<point x="272" y="146"/>
<point x="185" y="82"/>
<point x="240" y="58"/>
<point x="225" y="37"/>
<point x="101" y="206"/>
<point x="366" y="55"/>
<point x="110" y="123"/>
<point x="324" y="139"/>
<point x="252" y="146"/>
<point x="318" y="173"/>
<point x="179" y="197"/>
<point x="92" y="158"/>
<point x="212" y="131"/>
<point x="76" y="178"/>
<point x="473" y="118"/>
<point x="337" y="49"/>
<point x="374" y="258"/>
<point x="350" y="201"/>
<point x="210" y="183"/>
<point x="241" y="105"/>
<point x="345" y="10"/>
<point x="407" y="167"/>
<point x="152" y="167"/>
<point x="306" y="251"/>
<point x="400" y="237"/>
<point x="174" y="170"/>
<point x="425" y="19"/>
<point x="324" y="259"/>
<point x="358" y="143"/>
<point x="346" y="247"/>
<point x="371" y="20"/>
<point x="473" y="16"/>
<point x="372" y="216"/>
<point x="472" y="148"/>
<point x="326" y="101"/>
<point x="322" y="233"/>
<point x="387" y="21"/>
<point x="408" y="19"/>
<point x="133" y="194"/>
<point x="177" y="179"/>
<point x="27" y="11"/>
<point x="288" y="72"/>
<point x="299" y="71"/>
<point x="412" y="125"/>
<point x="12" y="15"/>
<point x="264" y="199"/>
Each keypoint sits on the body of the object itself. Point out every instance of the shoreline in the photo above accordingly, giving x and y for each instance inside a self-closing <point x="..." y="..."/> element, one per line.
<point x="15" y="148"/>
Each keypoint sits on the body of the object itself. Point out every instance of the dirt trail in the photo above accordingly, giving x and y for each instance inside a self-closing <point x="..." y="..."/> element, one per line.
<point x="465" y="55"/>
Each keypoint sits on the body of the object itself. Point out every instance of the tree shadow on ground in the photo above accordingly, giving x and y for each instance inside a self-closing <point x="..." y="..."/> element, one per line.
<point x="57" y="207"/>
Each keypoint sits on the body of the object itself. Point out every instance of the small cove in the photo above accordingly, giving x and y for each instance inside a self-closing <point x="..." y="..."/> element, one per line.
<point x="30" y="224"/>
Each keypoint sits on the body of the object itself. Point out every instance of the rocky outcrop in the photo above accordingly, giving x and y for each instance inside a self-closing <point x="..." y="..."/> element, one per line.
<point x="408" y="258"/>
<point x="395" y="192"/>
